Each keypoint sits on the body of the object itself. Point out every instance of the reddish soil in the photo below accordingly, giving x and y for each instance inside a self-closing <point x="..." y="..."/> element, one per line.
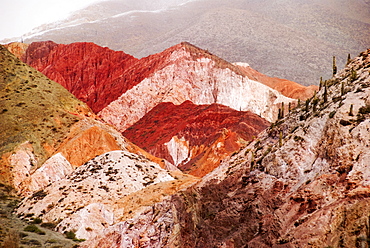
<point x="200" y="125"/>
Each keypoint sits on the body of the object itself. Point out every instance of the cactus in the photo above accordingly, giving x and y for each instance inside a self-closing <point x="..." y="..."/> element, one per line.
<point x="252" y="160"/>
<point x="280" y="139"/>
<point x="325" y="92"/>
<point x="342" y="89"/>
<point x="348" y="59"/>
<point x="307" y="104"/>
<point x="334" y="66"/>
<point x="351" y="110"/>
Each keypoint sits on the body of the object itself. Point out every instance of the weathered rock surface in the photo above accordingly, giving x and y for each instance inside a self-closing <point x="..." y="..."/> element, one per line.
<point x="92" y="73"/>
<point x="194" y="138"/>
<point x="193" y="74"/>
<point x="99" y="76"/>
<point x="286" y="87"/>
<point x="39" y="119"/>
<point x="304" y="182"/>
<point x="36" y="115"/>
<point x="86" y="201"/>
<point x="17" y="48"/>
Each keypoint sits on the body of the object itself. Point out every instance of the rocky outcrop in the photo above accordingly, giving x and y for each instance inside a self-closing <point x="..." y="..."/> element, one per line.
<point x="286" y="87"/>
<point x="194" y="138"/>
<point x="91" y="197"/>
<point x="92" y="73"/>
<point x="303" y="182"/>
<point x="17" y="48"/>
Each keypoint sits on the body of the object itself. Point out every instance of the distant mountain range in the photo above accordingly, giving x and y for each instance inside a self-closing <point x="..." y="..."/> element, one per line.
<point x="288" y="39"/>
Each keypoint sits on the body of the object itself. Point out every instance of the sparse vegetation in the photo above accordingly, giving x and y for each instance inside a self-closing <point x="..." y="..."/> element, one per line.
<point x="39" y="195"/>
<point x="344" y="122"/>
<point x="71" y="235"/>
<point x="364" y="110"/>
<point x="11" y="240"/>
<point x="36" y="221"/>
<point x="49" y="225"/>
<point x="353" y="75"/>
<point x="33" y="228"/>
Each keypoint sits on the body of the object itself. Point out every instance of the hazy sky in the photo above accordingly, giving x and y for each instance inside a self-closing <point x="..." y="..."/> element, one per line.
<point x="18" y="17"/>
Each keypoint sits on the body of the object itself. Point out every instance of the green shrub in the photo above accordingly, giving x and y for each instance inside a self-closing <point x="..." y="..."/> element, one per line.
<point x="49" y="225"/>
<point x="39" y="195"/>
<point x="36" y="221"/>
<point x="34" y="229"/>
<point x="70" y="235"/>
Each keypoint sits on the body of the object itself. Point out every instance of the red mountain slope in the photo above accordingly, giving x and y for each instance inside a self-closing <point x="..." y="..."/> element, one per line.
<point x="94" y="74"/>
<point x="194" y="137"/>
<point x="98" y="75"/>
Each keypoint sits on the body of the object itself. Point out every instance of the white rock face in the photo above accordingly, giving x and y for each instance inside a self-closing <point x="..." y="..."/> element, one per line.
<point x="22" y="162"/>
<point x="83" y="200"/>
<point x="55" y="168"/>
<point x="178" y="149"/>
<point x="199" y="81"/>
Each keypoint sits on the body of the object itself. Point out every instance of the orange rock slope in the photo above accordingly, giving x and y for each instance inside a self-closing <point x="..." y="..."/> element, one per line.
<point x="17" y="48"/>
<point x="284" y="86"/>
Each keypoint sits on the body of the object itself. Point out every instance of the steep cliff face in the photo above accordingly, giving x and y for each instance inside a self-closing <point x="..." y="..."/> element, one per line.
<point x="285" y="87"/>
<point x="304" y="182"/>
<point x="193" y="74"/>
<point x="194" y="138"/>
